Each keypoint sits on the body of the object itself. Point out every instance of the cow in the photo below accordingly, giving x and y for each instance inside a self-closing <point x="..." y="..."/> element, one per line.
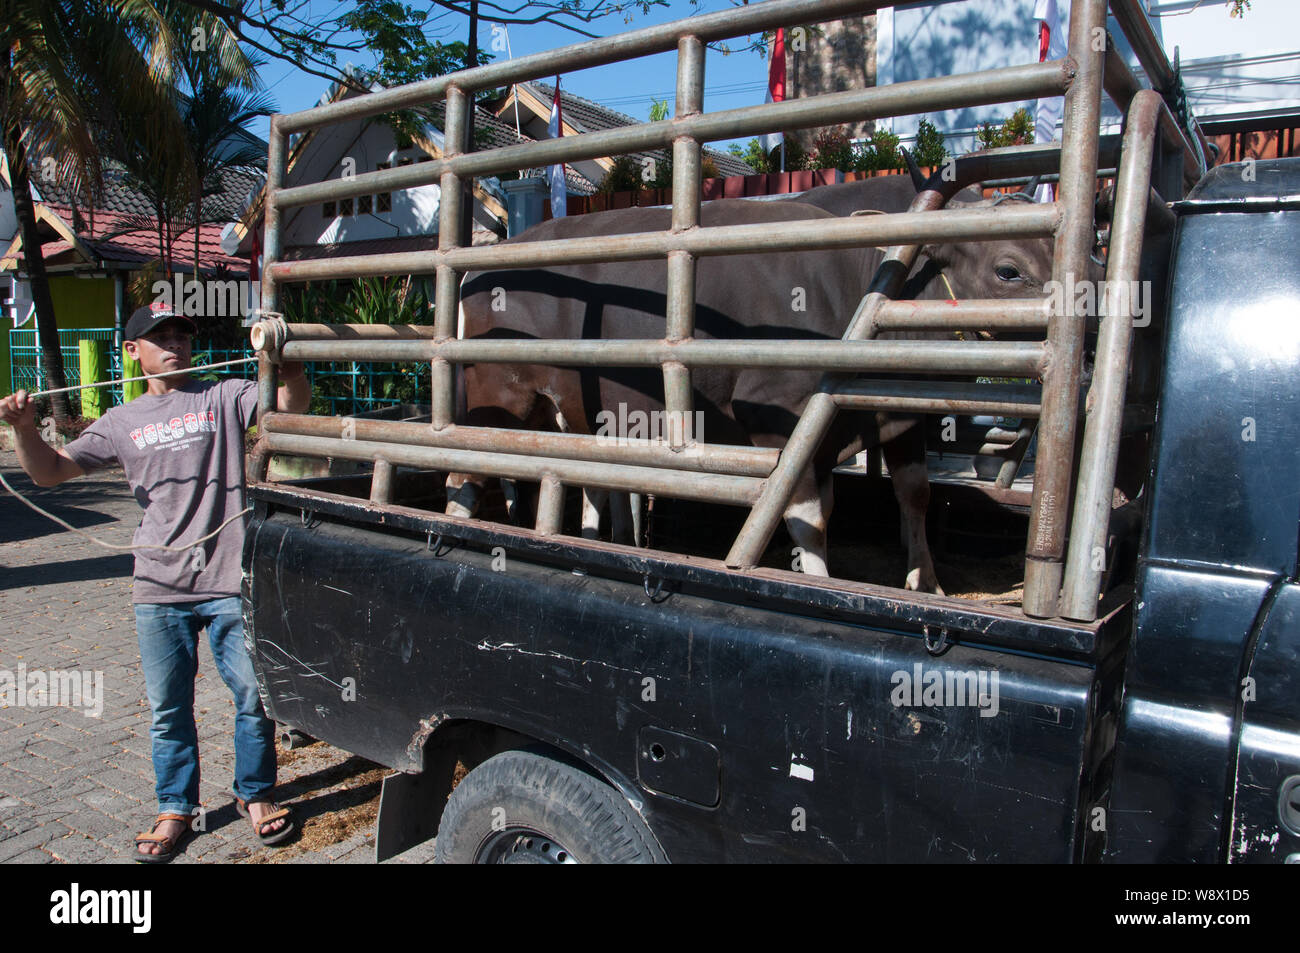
<point x="790" y="295"/>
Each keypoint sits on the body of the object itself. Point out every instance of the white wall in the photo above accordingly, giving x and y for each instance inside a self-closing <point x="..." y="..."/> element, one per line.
<point x="8" y="218"/>
<point x="414" y="211"/>
<point x="1232" y="67"/>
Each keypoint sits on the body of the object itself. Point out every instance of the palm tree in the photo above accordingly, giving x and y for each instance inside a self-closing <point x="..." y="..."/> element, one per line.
<point x="214" y="115"/>
<point x="66" y="66"/>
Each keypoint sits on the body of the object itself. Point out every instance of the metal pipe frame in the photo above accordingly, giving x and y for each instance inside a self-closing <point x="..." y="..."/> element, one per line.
<point x="1013" y="314"/>
<point x="381" y="482"/>
<point x="916" y="96"/>
<point x="699" y="458"/>
<point x="687" y="169"/>
<point x="717" y="473"/>
<point x="984" y="224"/>
<point x="1102" y="432"/>
<point x="1136" y="24"/>
<point x="1045" y="551"/>
<point x="550" y="507"/>
<point x="939" y="397"/>
<point x="1004" y="358"/>
<point x="447" y="279"/>
<point x="1013" y="162"/>
<point x="680" y="484"/>
<point x="723" y="25"/>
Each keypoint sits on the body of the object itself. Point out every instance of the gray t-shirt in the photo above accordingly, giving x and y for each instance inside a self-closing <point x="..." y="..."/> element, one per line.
<point x="183" y="453"/>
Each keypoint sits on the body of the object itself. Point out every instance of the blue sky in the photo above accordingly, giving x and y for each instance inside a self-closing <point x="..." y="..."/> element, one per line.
<point x="738" y="79"/>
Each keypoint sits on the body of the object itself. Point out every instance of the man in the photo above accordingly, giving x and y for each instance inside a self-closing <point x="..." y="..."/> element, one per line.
<point x="181" y="445"/>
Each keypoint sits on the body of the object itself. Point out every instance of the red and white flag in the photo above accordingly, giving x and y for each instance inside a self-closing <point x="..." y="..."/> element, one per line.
<point x="559" y="190"/>
<point x="1052" y="17"/>
<point x="775" y="86"/>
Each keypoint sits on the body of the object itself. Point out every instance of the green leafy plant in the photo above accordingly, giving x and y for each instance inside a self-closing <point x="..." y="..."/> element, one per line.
<point x="929" y="149"/>
<point x="831" y="150"/>
<point x="379" y="300"/>
<point x="752" y="155"/>
<point x="1018" y="130"/>
<point x="878" y="153"/>
<point x="623" y="176"/>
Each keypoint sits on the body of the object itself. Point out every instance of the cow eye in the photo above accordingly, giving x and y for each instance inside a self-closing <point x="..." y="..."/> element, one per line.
<point x="1008" y="273"/>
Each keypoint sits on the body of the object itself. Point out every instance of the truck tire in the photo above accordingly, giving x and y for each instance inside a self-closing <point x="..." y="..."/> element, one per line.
<point x="521" y="807"/>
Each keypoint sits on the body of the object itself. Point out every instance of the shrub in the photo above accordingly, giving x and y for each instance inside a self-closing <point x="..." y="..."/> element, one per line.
<point x="623" y="176"/>
<point x="1018" y="130"/>
<point x="929" y="149"/>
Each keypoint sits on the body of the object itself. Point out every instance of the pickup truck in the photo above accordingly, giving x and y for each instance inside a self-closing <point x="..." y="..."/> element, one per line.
<point x="1130" y="694"/>
<point x="614" y="704"/>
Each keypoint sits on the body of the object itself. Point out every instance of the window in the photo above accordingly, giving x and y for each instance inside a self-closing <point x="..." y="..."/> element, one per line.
<point x="328" y="210"/>
<point x="384" y="200"/>
<point x="364" y="204"/>
<point x="345" y="207"/>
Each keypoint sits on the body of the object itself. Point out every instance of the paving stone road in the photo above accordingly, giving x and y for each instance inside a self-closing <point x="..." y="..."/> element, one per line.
<point x="75" y="788"/>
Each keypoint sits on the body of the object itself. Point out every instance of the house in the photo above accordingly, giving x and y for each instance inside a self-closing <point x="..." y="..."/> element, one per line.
<point x="528" y="106"/>
<point x="91" y="254"/>
<point x="408" y="220"/>
<point x="1239" y="73"/>
<point x="399" y="221"/>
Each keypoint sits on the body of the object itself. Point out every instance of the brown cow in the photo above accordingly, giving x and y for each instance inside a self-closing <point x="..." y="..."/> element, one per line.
<point x="776" y="296"/>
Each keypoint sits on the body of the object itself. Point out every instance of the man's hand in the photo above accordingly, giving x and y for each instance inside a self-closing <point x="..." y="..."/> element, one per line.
<point x="45" y="465"/>
<point x="19" y="411"/>
<point x="294" y="395"/>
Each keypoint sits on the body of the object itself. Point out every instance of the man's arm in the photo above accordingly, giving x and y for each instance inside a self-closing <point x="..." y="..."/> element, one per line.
<point x="45" y="465"/>
<point x="294" y="395"/>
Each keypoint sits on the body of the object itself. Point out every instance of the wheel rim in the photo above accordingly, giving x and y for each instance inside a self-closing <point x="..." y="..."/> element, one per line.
<point x="523" y="845"/>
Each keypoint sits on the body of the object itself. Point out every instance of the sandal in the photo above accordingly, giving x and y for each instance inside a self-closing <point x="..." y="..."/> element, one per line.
<point x="273" y="837"/>
<point x="170" y="845"/>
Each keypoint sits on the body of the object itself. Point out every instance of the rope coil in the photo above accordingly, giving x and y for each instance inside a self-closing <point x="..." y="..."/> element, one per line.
<point x="269" y="335"/>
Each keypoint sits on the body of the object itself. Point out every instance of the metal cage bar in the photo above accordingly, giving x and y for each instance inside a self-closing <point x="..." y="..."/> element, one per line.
<point x="736" y="475"/>
<point x="1056" y="426"/>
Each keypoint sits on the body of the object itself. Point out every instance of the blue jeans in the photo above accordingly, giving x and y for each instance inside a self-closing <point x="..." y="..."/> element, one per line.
<point x="169" y="640"/>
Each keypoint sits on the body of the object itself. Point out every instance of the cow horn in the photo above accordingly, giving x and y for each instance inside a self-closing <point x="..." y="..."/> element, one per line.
<point x="918" y="179"/>
<point x="1032" y="185"/>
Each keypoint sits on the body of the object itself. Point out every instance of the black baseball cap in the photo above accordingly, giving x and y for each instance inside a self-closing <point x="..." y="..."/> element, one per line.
<point x="146" y="318"/>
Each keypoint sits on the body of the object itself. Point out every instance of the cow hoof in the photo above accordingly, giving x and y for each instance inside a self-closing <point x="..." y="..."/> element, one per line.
<point x="919" y="581"/>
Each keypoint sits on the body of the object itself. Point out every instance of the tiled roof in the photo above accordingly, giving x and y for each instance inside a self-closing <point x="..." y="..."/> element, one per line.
<point x="118" y="195"/>
<point x="130" y="238"/>
<point x="588" y="116"/>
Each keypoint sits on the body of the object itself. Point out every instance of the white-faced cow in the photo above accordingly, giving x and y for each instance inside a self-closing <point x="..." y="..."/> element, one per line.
<point x="783" y="296"/>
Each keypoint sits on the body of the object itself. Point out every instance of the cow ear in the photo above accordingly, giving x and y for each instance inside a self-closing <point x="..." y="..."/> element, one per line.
<point x="940" y="254"/>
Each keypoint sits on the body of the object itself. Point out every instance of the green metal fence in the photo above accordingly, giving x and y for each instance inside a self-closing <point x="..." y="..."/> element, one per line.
<point x="337" y="389"/>
<point x="25" y="356"/>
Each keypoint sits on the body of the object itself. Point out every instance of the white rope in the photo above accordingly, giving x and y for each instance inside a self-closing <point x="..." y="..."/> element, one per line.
<point x="145" y="377"/>
<point x="120" y="546"/>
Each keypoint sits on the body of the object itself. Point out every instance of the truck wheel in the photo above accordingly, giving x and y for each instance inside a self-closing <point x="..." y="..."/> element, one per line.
<point x="520" y="807"/>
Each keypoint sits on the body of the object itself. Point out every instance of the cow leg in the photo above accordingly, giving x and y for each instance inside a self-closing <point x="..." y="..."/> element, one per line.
<point x="463" y="494"/>
<point x="625" y="518"/>
<point x="905" y="456"/>
<point x="593" y="501"/>
<point x="806" y="518"/>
